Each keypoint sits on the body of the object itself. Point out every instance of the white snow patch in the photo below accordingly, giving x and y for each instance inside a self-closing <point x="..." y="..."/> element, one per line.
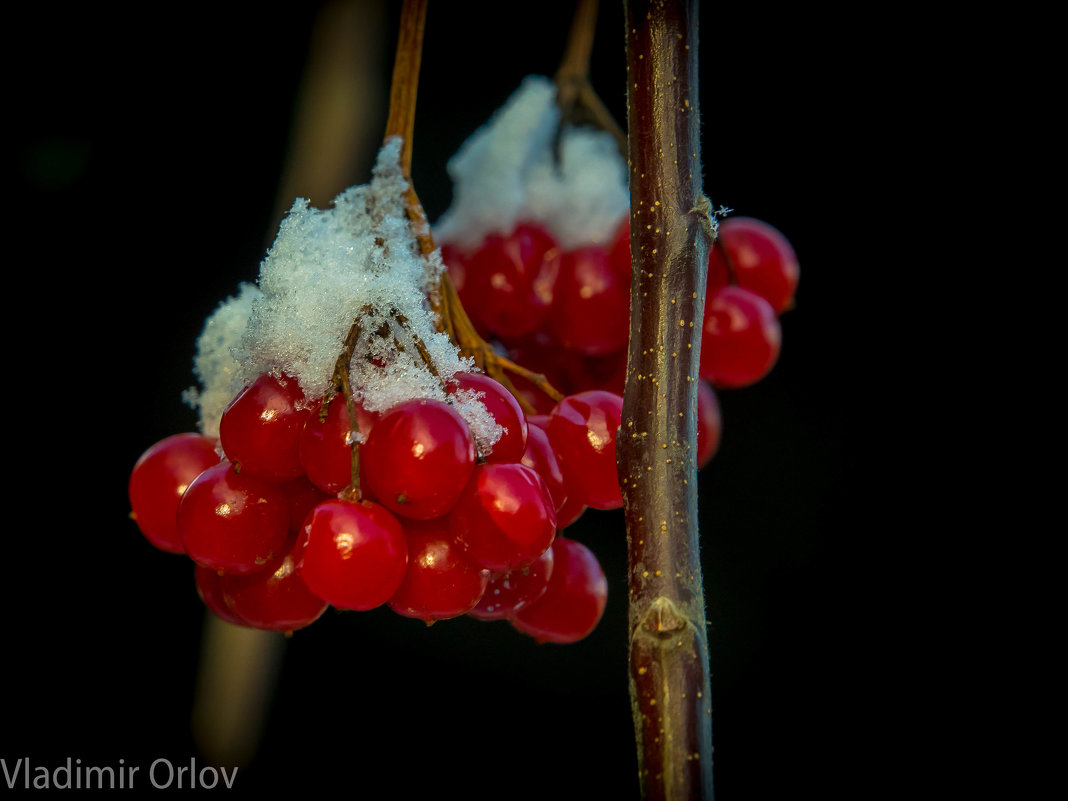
<point x="358" y="259"/>
<point x="505" y="173"/>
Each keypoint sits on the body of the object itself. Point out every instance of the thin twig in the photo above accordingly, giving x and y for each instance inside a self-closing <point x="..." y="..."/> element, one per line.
<point x="401" y="120"/>
<point x="579" y="104"/>
<point x="341" y="383"/>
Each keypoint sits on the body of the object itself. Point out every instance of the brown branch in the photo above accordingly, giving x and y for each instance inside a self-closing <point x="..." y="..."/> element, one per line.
<point x="340" y="383"/>
<point x="402" y="95"/>
<point x="670" y="236"/>
<point x="579" y="104"/>
<point x="420" y="346"/>
<point x="472" y="345"/>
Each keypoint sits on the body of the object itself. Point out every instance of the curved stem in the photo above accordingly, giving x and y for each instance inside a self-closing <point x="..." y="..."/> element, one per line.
<point x="486" y="358"/>
<point x="579" y="104"/>
<point x="670" y="233"/>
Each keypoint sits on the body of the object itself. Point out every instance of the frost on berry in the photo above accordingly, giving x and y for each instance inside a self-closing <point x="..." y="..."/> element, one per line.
<point x="357" y="259"/>
<point x="506" y="173"/>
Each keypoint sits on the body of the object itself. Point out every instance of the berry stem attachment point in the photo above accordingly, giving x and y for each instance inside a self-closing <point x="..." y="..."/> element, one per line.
<point x="342" y="384"/>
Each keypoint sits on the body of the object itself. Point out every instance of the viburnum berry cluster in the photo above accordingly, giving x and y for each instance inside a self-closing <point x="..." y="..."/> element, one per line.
<point x="359" y="462"/>
<point x="354" y="460"/>
<point x="550" y="281"/>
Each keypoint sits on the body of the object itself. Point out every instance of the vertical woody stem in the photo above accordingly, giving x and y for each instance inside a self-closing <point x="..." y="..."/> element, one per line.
<point x="402" y="94"/>
<point x="671" y="232"/>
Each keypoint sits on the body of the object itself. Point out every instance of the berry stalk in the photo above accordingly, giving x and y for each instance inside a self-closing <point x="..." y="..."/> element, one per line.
<point x="401" y="122"/>
<point x="402" y="95"/>
<point x="579" y="103"/>
<point x="671" y="231"/>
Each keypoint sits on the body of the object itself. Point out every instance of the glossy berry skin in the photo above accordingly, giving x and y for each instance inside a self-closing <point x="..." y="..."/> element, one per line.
<point x="540" y="420"/>
<point x="440" y="582"/>
<point x="504" y="519"/>
<point x="260" y="429"/>
<point x="504" y="408"/>
<point x="570" y="512"/>
<point x="418" y="458"/>
<point x="509" y="281"/>
<point x="591" y="307"/>
<point x="582" y="429"/>
<point x="274" y="599"/>
<point x="209" y="588"/>
<point x="325" y="452"/>
<point x="157" y="481"/>
<point x="740" y="340"/>
<point x="303" y="496"/>
<point x="352" y="554"/>
<point x="506" y="593"/>
<point x="709" y="423"/>
<point x="763" y="261"/>
<point x="233" y="522"/>
<point x="574" y="601"/>
<point x="539" y="456"/>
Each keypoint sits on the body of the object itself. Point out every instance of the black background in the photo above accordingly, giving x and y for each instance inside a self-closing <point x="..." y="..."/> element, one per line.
<point x="148" y="152"/>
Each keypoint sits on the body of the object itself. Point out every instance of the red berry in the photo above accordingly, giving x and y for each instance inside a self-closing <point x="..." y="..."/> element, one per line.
<point x="741" y="338"/>
<point x="504" y="408"/>
<point x="158" y="480"/>
<point x="274" y="599"/>
<point x="209" y="588"/>
<point x="325" y="443"/>
<point x="509" y="281"/>
<point x="352" y="554"/>
<point x="582" y="429"/>
<point x="574" y="601"/>
<point x="455" y="260"/>
<point x="568" y="513"/>
<point x="233" y="522"/>
<point x="303" y="496"/>
<point x="763" y="261"/>
<point x="506" y="593"/>
<point x="440" y="581"/>
<point x="619" y="252"/>
<point x="539" y="456"/>
<point x="709" y="423"/>
<point x="591" y="309"/>
<point x="505" y="518"/>
<point x="418" y="458"/>
<point x="539" y="420"/>
<point x="260" y="429"/>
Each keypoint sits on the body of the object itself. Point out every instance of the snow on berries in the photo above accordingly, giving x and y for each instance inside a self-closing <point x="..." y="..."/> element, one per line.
<point x="350" y="455"/>
<point x="537" y="243"/>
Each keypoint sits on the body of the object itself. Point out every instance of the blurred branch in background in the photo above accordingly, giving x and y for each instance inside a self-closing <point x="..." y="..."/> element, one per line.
<point x="336" y="130"/>
<point x="341" y="107"/>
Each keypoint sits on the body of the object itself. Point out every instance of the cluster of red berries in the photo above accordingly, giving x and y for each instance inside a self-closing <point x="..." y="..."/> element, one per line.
<point x="300" y="506"/>
<point x="566" y="314"/>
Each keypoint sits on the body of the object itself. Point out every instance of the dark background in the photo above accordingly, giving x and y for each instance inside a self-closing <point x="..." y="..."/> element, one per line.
<point x="148" y="153"/>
